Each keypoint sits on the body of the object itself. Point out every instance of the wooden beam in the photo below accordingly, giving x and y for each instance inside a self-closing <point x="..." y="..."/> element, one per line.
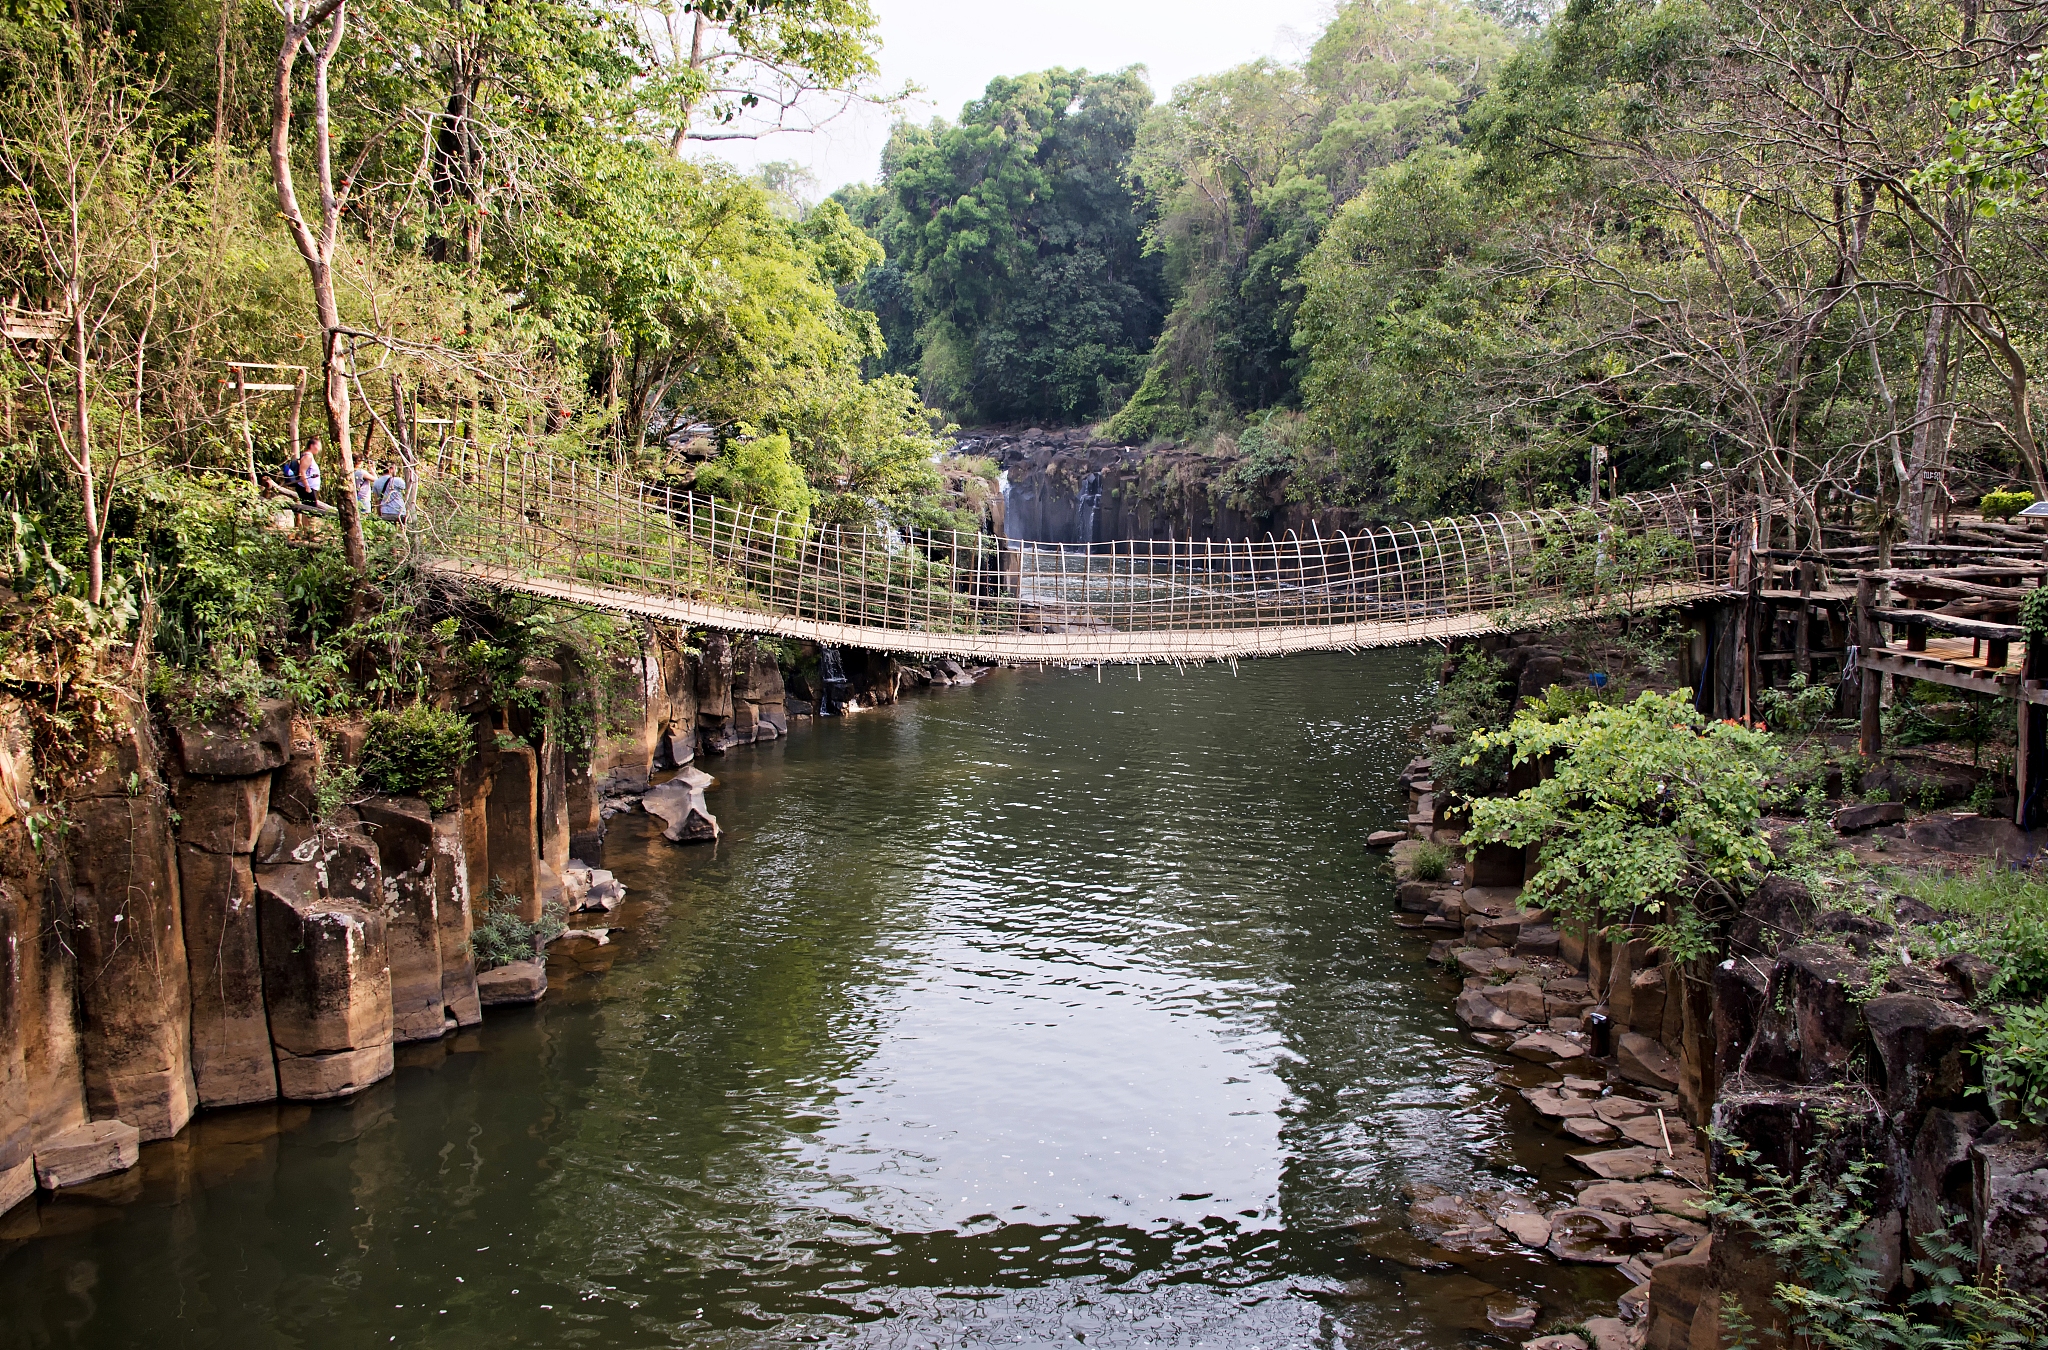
<point x="1951" y="623"/>
<point x="1934" y="670"/>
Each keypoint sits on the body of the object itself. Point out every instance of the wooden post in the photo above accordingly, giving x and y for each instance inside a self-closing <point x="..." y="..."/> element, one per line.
<point x="2030" y="763"/>
<point x="1804" y="652"/>
<point x="1871" y="740"/>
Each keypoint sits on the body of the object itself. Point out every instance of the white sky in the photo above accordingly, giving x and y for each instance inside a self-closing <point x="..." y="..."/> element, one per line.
<point x="954" y="47"/>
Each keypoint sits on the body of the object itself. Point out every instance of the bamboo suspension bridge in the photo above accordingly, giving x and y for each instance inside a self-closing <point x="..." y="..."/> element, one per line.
<point x="585" y="535"/>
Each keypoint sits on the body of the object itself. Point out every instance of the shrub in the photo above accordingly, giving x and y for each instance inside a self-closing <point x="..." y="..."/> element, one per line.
<point x="1818" y="1227"/>
<point x="1651" y="810"/>
<point x="501" y="937"/>
<point x="2015" y="1060"/>
<point x="2001" y="915"/>
<point x="1430" y="863"/>
<point x="415" y="752"/>
<point x="2004" y="504"/>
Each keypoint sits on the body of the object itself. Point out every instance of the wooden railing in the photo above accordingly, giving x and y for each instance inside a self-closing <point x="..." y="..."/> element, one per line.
<point x="582" y="533"/>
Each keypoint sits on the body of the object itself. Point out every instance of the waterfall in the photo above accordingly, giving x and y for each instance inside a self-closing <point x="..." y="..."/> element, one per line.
<point x="1087" y="509"/>
<point x="832" y="681"/>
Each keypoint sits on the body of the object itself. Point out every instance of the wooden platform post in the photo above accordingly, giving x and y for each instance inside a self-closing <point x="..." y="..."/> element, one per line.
<point x="1871" y="738"/>
<point x="2030" y="762"/>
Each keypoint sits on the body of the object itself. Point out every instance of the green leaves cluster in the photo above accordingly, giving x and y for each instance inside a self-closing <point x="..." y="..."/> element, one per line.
<point x="1817" y="1226"/>
<point x="415" y="751"/>
<point x="1017" y="286"/>
<point x="2015" y="1060"/>
<point x="1650" y="810"/>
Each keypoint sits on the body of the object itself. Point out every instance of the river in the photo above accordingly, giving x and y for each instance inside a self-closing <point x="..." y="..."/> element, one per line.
<point x="1046" y="1012"/>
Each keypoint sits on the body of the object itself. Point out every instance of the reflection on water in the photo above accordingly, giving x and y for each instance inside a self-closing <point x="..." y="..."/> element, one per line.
<point x="1043" y="1012"/>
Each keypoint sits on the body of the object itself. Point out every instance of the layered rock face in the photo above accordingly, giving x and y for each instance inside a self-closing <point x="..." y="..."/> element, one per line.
<point x="215" y="929"/>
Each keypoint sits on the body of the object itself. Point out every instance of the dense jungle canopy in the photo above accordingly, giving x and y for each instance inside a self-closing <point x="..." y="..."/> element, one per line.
<point x="1444" y="261"/>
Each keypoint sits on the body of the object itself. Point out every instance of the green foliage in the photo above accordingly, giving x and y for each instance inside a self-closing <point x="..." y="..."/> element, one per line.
<point x="416" y="751"/>
<point x="1817" y="1228"/>
<point x="1478" y="696"/>
<point x="759" y="471"/>
<point x="1932" y="714"/>
<point x="1017" y="287"/>
<point x="1998" y="912"/>
<point x="2034" y="613"/>
<point x="1650" y="810"/>
<point x="1244" y="169"/>
<point x="501" y="938"/>
<point x="1430" y="863"/>
<point x="2015" y="1060"/>
<point x="2004" y="504"/>
<point x="1799" y="707"/>
<point x="1997" y="133"/>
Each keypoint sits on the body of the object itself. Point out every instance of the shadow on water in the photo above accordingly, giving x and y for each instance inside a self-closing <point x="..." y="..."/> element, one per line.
<point x="1049" y="1011"/>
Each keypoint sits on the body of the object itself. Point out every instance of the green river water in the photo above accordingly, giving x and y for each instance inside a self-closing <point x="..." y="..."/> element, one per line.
<point x="1046" y="1012"/>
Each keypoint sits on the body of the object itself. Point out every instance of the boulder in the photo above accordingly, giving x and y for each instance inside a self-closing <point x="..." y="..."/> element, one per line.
<point x="222" y="815"/>
<point x="1537" y="939"/>
<point x="1867" y="816"/>
<point x="1495" y="865"/>
<point x="1591" y="1130"/>
<point x="1922" y="1047"/>
<point x="1588" y="1236"/>
<point x="1539" y="674"/>
<point x="97" y="1148"/>
<point x="1781" y="910"/>
<point x="1621" y="1164"/>
<point x="1978" y="836"/>
<point x="1481" y="1013"/>
<point x="1522" y="997"/>
<point x="519" y="982"/>
<point x="1941" y="1170"/>
<point x="679" y="805"/>
<point x="1385" y="838"/>
<point x="232" y="1061"/>
<point x="2009" y="1177"/>
<point x="327" y="983"/>
<point x="238" y="748"/>
<point x="295" y="787"/>
<point x="403" y="828"/>
<point x="1677" y="1288"/>
<point x="1647" y="993"/>
<point x="456" y="919"/>
<point x="17" y="1183"/>
<point x="1821" y="981"/>
<point x="1415" y="897"/>
<point x="1565" y="1341"/>
<point x="1609" y="1333"/>
<point x="1546" y="1047"/>
<point x="1642" y="1060"/>
<point x="1971" y="974"/>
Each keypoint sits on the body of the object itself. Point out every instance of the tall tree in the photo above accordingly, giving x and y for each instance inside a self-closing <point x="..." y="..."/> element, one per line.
<point x="1019" y="242"/>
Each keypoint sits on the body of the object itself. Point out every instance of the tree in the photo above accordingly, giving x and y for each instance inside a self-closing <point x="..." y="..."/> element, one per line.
<point x="1020" y="245"/>
<point x="743" y="69"/>
<point x="329" y="20"/>
<point x="1243" y="170"/>
<point x="88" y="220"/>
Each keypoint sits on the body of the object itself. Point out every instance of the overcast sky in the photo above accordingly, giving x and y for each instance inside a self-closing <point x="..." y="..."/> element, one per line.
<point x="953" y="49"/>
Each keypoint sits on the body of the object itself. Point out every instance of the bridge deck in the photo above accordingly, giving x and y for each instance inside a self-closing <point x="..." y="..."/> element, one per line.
<point x="583" y="535"/>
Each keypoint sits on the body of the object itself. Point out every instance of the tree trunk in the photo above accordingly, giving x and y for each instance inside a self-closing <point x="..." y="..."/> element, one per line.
<point x="318" y="251"/>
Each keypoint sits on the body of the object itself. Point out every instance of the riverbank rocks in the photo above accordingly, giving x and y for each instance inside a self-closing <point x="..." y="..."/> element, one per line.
<point x="679" y="805"/>
<point x="1385" y="838"/>
<point x="97" y="1148"/>
<point x="403" y="829"/>
<point x="133" y="987"/>
<point x="2009" y="1176"/>
<point x="327" y="983"/>
<point x="517" y="983"/>
<point x="591" y="890"/>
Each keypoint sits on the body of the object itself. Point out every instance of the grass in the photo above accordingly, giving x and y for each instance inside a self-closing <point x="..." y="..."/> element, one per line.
<point x="1431" y="862"/>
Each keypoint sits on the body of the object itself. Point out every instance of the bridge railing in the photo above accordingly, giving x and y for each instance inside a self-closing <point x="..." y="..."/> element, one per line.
<point x="528" y="514"/>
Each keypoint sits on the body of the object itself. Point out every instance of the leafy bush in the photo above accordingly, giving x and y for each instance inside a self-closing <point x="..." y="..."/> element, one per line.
<point x="2004" y="504"/>
<point x="760" y="471"/>
<point x="2034" y="612"/>
<point x="1818" y="1228"/>
<point x="1652" y="810"/>
<point x="2015" y="1060"/>
<point x="1479" y="695"/>
<point x="1799" y="707"/>
<point x="500" y="937"/>
<point x="2001" y="915"/>
<point x="415" y="752"/>
<point x="1430" y="863"/>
